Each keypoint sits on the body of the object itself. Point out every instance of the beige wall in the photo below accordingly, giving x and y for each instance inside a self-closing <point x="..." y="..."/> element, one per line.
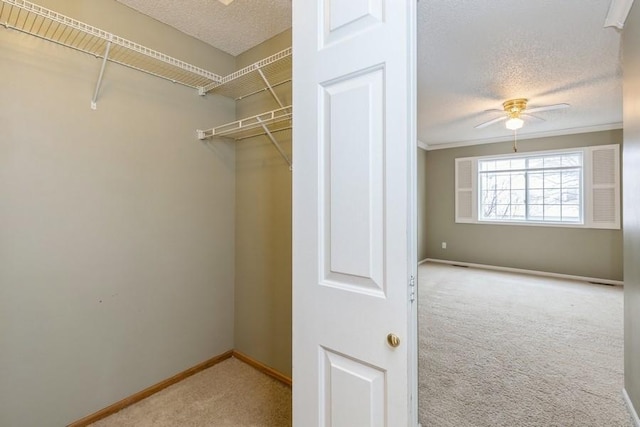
<point x="574" y="251"/>
<point x="631" y="163"/>
<point x="263" y="230"/>
<point x="422" y="204"/>
<point x="116" y="235"/>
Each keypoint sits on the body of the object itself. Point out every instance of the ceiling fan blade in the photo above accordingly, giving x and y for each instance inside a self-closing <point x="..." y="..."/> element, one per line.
<point x="531" y="116"/>
<point x="490" y="122"/>
<point x="547" y="108"/>
<point x="491" y="110"/>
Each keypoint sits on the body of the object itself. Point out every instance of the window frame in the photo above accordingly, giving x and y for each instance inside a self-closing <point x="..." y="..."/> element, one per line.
<point x="526" y="171"/>
<point x="467" y="188"/>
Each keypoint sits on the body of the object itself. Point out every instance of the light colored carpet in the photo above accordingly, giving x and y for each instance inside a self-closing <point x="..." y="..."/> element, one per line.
<point x="502" y="349"/>
<point x="230" y="393"/>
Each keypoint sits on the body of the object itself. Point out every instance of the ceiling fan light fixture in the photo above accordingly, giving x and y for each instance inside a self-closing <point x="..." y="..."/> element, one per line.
<point x="225" y="2"/>
<point x="514" y="123"/>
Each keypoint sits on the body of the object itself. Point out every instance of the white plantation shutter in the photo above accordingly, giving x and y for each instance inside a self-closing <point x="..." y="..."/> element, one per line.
<point x="466" y="206"/>
<point x="603" y="187"/>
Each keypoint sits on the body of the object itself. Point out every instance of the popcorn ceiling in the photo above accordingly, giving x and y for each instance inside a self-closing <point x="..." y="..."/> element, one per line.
<point x="234" y="28"/>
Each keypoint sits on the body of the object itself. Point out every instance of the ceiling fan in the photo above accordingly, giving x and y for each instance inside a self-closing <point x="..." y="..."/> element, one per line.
<point x="515" y="110"/>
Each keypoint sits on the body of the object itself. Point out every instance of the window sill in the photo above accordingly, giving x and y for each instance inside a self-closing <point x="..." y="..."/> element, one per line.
<point x="543" y="224"/>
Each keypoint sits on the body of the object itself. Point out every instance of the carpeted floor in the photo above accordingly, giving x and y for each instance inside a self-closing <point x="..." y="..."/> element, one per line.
<point x="501" y="349"/>
<point x="230" y="393"/>
<point x="495" y="349"/>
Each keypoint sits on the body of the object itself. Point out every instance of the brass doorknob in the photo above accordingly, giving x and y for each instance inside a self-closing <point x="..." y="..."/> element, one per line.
<point x="393" y="340"/>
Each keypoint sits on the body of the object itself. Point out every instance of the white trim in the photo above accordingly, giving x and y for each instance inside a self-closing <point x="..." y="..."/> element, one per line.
<point x="618" y="12"/>
<point x="632" y="410"/>
<point x="412" y="122"/>
<point x="535" y="153"/>
<point x="572" y="131"/>
<point x="534" y="223"/>
<point x="423" y="261"/>
<point x="524" y="271"/>
<point x="423" y="145"/>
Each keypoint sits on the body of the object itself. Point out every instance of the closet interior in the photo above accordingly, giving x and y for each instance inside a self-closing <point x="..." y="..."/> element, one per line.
<point x="225" y="260"/>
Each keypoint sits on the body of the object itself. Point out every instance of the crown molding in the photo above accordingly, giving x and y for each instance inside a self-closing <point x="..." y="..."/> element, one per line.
<point x="559" y="132"/>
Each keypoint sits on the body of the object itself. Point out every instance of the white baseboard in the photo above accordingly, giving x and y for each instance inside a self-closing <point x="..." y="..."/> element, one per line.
<point x="523" y="271"/>
<point x="632" y="410"/>
<point x="422" y="262"/>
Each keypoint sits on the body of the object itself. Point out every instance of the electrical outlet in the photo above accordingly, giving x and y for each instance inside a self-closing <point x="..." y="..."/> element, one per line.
<point x="444" y="245"/>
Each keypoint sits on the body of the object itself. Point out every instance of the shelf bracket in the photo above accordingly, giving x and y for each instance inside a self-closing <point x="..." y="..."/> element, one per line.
<point x="94" y="100"/>
<point x="261" y="90"/>
<point x="266" y="82"/>
<point x="275" y="143"/>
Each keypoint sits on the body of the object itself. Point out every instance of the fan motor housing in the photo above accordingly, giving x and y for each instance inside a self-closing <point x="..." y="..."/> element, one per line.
<point x="514" y="107"/>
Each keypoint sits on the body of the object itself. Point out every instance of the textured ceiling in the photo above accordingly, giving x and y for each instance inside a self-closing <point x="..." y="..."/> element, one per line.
<point x="472" y="56"/>
<point x="233" y="29"/>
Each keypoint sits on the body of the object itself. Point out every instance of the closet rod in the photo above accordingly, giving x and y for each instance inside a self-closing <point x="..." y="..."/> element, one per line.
<point x="253" y="135"/>
<point x="262" y="90"/>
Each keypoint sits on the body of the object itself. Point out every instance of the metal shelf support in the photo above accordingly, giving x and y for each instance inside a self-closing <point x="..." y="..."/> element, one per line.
<point x="94" y="100"/>
<point x="275" y="144"/>
<point x="268" y="85"/>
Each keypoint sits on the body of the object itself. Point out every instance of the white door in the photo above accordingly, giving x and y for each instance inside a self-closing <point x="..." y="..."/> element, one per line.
<point x="354" y="226"/>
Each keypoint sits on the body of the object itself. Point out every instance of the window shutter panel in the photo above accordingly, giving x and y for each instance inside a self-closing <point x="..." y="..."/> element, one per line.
<point x="464" y="190"/>
<point x="605" y="187"/>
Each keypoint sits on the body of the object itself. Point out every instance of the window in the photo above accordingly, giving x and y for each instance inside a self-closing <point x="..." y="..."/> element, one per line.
<point x="544" y="188"/>
<point x="574" y="188"/>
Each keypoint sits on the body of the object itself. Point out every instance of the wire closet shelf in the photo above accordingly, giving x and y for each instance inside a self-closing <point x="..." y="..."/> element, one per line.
<point x="265" y="124"/>
<point x="38" y="21"/>
<point x="245" y="128"/>
<point x="265" y="74"/>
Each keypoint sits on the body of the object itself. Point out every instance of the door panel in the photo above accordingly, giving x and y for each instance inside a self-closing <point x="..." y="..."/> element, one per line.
<point x="352" y="177"/>
<point x="353" y="392"/>
<point x="343" y="19"/>
<point x="353" y="220"/>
